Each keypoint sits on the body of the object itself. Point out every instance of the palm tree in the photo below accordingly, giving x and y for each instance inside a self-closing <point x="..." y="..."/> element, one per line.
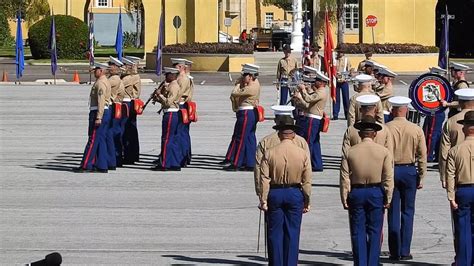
<point x="137" y="6"/>
<point x="32" y="10"/>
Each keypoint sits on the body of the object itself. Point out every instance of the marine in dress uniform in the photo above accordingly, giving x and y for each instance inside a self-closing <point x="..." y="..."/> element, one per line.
<point x="368" y="107"/>
<point x="95" y="156"/>
<point x="409" y="148"/>
<point x="458" y="73"/>
<point x="282" y="116"/>
<point x="452" y="134"/>
<point x="245" y="99"/>
<point x="385" y="89"/>
<point x="285" y="182"/>
<point x="432" y="127"/>
<point x="312" y="123"/>
<point x="362" y="64"/>
<point x="366" y="185"/>
<point x="317" y="60"/>
<point x="286" y="66"/>
<point x="364" y="88"/>
<point x="344" y="69"/>
<point x="114" y="134"/>
<point x="131" y="82"/>
<point x="460" y="188"/>
<point x="183" y="123"/>
<point x="168" y="96"/>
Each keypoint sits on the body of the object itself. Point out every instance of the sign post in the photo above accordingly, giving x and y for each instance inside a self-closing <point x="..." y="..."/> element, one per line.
<point x="177" y="24"/>
<point x="227" y="24"/>
<point x="371" y="21"/>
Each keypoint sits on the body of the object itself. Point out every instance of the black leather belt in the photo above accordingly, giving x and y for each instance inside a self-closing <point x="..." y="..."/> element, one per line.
<point x="465" y="185"/>
<point x="366" y="185"/>
<point x="405" y="164"/>
<point x="273" y="186"/>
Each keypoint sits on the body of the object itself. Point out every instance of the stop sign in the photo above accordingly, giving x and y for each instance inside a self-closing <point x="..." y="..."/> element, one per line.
<point x="371" y="21"/>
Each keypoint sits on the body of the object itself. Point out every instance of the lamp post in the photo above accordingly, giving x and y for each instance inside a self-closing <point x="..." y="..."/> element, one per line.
<point x="296" y="34"/>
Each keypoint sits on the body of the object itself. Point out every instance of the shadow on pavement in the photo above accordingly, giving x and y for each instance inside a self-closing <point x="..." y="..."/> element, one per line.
<point x="210" y="260"/>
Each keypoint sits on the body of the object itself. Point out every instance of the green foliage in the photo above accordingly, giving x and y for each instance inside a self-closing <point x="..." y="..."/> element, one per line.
<point x="31" y="10"/>
<point x="386" y="48"/>
<point x="6" y="38"/>
<point x="71" y="37"/>
<point x="129" y="39"/>
<point x="209" y="48"/>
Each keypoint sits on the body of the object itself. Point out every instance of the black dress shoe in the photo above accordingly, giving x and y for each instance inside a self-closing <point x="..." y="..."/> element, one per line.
<point x="335" y="118"/>
<point x="408" y="257"/>
<point x="224" y="162"/>
<point x="112" y="168"/>
<point x="246" y="169"/>
<point x="230" y="168"/>
<point x="394" y="258"/>
<point x="81" y="170"/>
<point x="163" y="169"/>
<point x="128" y="163"/>
<point x="103" y="171"/>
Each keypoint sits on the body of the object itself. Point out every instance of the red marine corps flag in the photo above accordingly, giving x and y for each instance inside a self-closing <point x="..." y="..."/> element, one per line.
<point x="329" y="58"/>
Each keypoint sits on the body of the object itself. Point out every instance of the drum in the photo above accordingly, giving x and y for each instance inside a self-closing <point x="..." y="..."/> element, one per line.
<point x="414" y="115"/>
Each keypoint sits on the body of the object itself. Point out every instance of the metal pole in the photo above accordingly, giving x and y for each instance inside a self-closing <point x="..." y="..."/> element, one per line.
<point x="259" y="228"/>
<point x="373" y="36"/>
<point x="176" y="36"/>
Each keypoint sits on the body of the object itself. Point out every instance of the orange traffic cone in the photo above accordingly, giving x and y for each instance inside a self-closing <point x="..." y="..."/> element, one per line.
<point x="76" y="77"/>
<point x="5" y="76"/>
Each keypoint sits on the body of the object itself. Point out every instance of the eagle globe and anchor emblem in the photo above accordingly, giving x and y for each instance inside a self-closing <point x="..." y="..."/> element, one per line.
<point x="428" y="91"/>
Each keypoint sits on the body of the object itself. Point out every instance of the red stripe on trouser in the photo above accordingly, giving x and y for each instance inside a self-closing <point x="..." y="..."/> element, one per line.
<point x="231" y="150"/>
<point x="309" y="129"/>
<point x="84" y="165"/>
<point x="241" y="139"/>
<point x="430" y="135"/>
<point x="163" y="163"/>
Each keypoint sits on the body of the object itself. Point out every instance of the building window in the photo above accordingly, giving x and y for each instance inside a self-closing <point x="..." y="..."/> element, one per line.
<point x="102" y="3"/>
<point x="268" y="20"/>
<point x="352" y="17"/>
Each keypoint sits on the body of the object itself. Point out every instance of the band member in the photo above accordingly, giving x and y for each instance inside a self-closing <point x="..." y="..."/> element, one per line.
<point x="458" y="73"/>
<point x="95" y="158"/>
<point x="433" y="126"/>
<point x="286" y="66"/>
<point x="362" y="65"/>
<point x="385" y="89"/>
<point x="131" y="82"/>
<point x="285" y="182"/>
<point x="344" y="69"/>
<point x="452" y="134"/>
<point x="282" y="116"/>
<point x="460" y="187"/>
<point x="363" y="88"/>
<point x="409" y="151"/>
<point x="168" y="96"/>
<point x="116" y="96"/>
<point x="245" y="99"/>
<point x="317" y="60"/>
<point x="368" y="107"/>
<point x="316" y="101"/>
<point x="366" y="186"/>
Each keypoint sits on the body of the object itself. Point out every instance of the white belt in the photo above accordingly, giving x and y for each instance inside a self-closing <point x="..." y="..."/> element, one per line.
<point x="246" y="108"/>
<point x="94" y="108"/>
<point x="170" y="110"/>
<point x="181" y="103"/>
<point x="386" y="112"/>
<point x="313" y="116"/>
<point x="126" y="100"/>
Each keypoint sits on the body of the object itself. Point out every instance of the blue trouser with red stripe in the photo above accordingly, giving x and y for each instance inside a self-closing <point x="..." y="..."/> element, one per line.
<point x="432" y="127"/>
<point x="170" y="156"/>
<point x="341" y="88"/>
<point x="243" y="146"/>
<point x="95" y="153"/>
<point x="109" y="140"/>
<point x="402" y="210"/>
<point x="464" y="226"/>
<point x="131" y="145"/>
<point x="184" y="137"/>
<point x="311" y="130"/>
<point x="284" y="215"/>
<point x="366" y="222"/>
<point x="284" y="92"/>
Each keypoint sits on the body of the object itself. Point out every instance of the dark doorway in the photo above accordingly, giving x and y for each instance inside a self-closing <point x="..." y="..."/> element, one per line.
<point x="461" y="28"/>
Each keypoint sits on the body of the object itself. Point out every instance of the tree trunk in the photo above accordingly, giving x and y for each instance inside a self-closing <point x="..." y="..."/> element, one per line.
<point x="316" y="20"/>
<point x="341" y="12"/>
<point x="138" y="26"/>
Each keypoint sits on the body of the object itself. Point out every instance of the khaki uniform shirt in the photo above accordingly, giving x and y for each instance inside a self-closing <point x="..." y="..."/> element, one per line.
<point x="460" y="166"/>
<point x="285" y="66"/>
<point x="98" y="95"/>
<point x="354" y="106"/>
<point x="169" y="95"/>
<point x="245" y="96"/>
<point x="137" y="86"/>
<point x="367" y="163"/>
<point x="117" y="88"/>
<point x="132" y="86"/>
<point x="456" y="86"/>
<point x="343" y="66"/>
<point x="317" y="62"/>
<point x="184" y="83"/>
<point x="265" y="144"/>
<point x="316" y="101"/>
<point x="361" y="66"/>
<point x="409" y="145"/>
<point x="351" y="138"/>
<point x="385" y="91"/>
<point x="451" y="136"/>
<point x="288" y="164"/>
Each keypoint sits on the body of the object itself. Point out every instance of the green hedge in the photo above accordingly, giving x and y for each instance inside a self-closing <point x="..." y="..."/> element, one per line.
<point x="6" y="38"/>
<point x="387" y="48"/>
<point x="209" y="48"/>
<point x="71" y="37"/>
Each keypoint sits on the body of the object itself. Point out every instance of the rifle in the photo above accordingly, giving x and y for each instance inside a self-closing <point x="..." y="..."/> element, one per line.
<point x="152" y="95"/>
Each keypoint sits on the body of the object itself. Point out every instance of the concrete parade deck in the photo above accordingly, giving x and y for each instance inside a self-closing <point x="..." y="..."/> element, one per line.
<point x="134" y="216"/>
